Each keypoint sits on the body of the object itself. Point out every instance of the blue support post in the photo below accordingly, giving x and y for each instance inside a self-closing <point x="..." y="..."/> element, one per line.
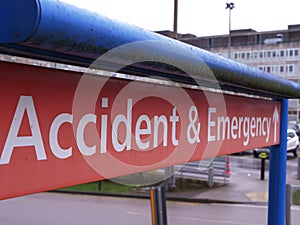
<point x="277" y="177"/>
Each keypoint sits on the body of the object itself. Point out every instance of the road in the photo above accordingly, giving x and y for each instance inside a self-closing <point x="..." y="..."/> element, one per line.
<point x="50" y="208"/>
<point x="64" y="209"/>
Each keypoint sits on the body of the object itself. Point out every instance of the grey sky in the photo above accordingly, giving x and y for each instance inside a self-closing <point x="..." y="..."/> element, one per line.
<point x="198" y="16"/>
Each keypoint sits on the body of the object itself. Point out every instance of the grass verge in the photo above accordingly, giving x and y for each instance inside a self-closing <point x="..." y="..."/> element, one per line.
<point x="296" y="197"/>
<point x="106" y="187"/>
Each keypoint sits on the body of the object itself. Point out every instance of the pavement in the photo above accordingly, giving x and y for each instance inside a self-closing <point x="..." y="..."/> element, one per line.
<point x="241" y="188"/>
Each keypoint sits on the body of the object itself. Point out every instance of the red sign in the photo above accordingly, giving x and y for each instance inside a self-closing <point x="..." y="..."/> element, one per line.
<point x="60" y="128"/>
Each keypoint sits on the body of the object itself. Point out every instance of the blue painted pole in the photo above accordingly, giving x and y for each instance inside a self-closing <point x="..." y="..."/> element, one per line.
<point x="277" y="177"/>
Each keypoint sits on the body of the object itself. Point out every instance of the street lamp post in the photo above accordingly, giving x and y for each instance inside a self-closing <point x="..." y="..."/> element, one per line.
<point x="229" y="6"/>
<point x="175" y="19"/>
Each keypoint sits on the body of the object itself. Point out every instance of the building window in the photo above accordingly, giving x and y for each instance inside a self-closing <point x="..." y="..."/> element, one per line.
<point x="248" y="55"/>
<point x="292" y="52"/>
<point x="257" y="39"/>
<point x="281" y="69"/>
<point x="261" y="54"/>
<point x="292" y="112"/>
<point x="255" y="55"/>
<point x="289" y="69"/>
<point x="281" y="53"/>
<point x="210" y="42"/>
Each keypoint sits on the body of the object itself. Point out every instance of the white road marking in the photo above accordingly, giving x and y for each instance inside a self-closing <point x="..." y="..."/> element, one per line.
<point x="215" y="221"/>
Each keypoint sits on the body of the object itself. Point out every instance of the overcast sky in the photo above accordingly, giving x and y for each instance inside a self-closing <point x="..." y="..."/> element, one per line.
<point x="198" y="16"/>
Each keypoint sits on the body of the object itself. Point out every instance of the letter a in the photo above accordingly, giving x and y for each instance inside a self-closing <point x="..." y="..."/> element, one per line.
<point x="12" y="141"/>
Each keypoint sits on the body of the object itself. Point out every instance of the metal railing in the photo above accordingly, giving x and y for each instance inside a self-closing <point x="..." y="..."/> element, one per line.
<point x="210" y="170"/>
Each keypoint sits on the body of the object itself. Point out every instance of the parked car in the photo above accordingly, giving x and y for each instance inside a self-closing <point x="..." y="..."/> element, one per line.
<point x="292" y="144"/>
<point x="295" y="126"/>
<point x="292" y="141"/>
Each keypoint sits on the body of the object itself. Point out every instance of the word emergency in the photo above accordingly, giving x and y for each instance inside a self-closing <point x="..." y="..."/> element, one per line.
<point x="236" y="127"/>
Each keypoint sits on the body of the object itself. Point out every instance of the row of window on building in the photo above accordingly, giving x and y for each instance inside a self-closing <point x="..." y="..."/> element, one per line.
<point x="289" y="69"/>
<point x="267" y="54"/>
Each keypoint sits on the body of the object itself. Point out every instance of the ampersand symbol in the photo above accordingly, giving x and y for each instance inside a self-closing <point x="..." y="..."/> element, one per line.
<point x="193" y="116"/>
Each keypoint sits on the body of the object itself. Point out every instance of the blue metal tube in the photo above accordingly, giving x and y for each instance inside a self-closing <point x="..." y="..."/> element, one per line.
<point x="56" y="31"/>
<point x="61" y="27"/>
<point x="277" y="177"/>
<point x="19" y="20"/>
